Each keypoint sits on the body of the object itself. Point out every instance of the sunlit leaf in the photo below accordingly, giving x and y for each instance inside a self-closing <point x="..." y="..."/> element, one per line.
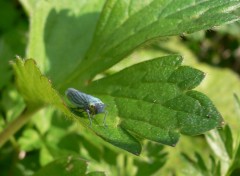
<point x="156" y="102"/>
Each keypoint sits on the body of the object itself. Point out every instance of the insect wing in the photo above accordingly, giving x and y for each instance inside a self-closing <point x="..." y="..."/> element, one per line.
<point x="92" y="99"/>
<point x="78" y="98"/>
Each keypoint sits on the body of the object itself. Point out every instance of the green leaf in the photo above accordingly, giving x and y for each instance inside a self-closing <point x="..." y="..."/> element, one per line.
<point x="221" y="146"/>
<point x="60" y="33"/>
<point x="235" y="161"/>
<point x="227" y="138"/>
<point x="153" y="103"/>
<point x="219" y="85"/>
<point x="199" y="167"/>
<point x="34" y="87"/>
<point x="218" y="82"/>
<point x="125" y="25"/>
<point x="37" y="92"/>
<point x="64" y="166"/>
<point x="225" y="148"/>
<point x="103" y="41"/>
<point x="154" y="160"/>
<point x="201" y="164"/>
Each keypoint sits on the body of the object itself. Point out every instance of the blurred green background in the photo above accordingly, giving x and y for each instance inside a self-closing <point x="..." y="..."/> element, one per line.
<point x="216" y="52"/>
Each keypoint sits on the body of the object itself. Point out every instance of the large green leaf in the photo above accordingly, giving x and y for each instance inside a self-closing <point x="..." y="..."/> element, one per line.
<point x="151" y="100"/>
<point x="60" y="33"/>
<point x="124" y="25"/>
<point x="219" y="85"/>
<point x="65" y="34"/>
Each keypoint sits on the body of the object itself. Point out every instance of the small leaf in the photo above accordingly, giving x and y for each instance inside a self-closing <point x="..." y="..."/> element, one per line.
<point x="217" y="145"/>
<point x="154" y="159"/>
<point x="227" y="138"/>
<point x="235" y="161"/>
<point x="201" y="163"/>
<point x="35" y="88"/>
<point x="221" y="143"/>
<point x="199" y="166"/>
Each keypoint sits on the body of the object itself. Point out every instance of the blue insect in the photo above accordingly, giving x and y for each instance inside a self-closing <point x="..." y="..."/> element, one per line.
<point x="87" y="103"/>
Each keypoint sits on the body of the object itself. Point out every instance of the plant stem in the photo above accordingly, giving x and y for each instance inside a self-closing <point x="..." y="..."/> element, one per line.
<point x="15" y="125"/>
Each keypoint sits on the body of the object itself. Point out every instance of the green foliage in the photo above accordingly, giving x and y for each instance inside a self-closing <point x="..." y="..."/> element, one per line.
<point x="199" y="167"/>
<point x="74" y="44"/>
<point x="67" y="166"/>
<point x="226" y="154"/>
<point x="158" y="89"/>
<point x="122" y="26"/>
<point x="36" y="89"/>
<point x="226" y="151"/>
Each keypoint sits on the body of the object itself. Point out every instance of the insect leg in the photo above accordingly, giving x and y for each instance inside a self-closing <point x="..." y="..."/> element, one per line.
<point x="89" y="117"/>
<point x="104" y="120"/>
